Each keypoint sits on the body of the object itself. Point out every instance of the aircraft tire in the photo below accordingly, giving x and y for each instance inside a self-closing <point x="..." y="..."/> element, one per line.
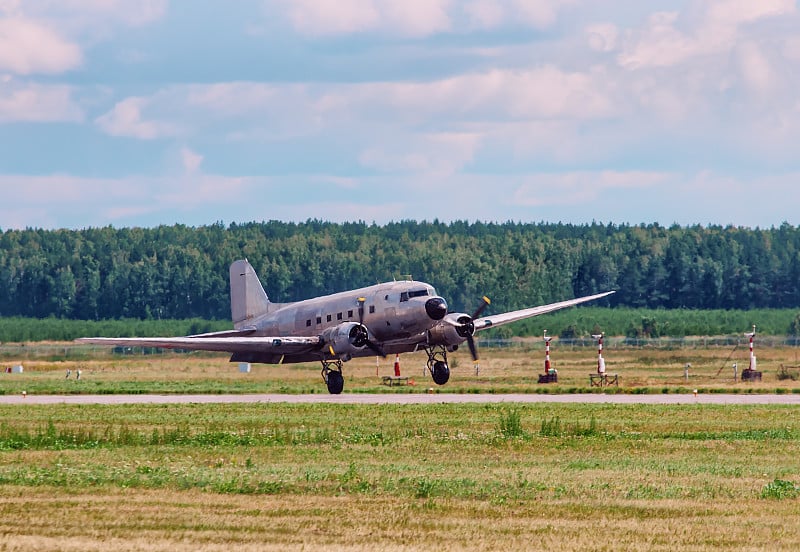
<point x="440" y="372"/>
<point x="335" y="382"/>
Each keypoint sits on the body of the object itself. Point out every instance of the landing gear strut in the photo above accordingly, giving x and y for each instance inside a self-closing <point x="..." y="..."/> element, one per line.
<point x="437" y="364"/>
<point x="333" y="376"/>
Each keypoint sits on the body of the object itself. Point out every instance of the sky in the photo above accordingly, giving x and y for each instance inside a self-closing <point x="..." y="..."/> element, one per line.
<point x="151" y="112"/>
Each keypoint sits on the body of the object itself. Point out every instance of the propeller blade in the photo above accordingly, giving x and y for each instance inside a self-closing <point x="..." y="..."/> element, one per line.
<point x="486" y="302"/>
<point x="473" y="350"/>
<point x="361" y="310"/>
<point x="375" y="347"/>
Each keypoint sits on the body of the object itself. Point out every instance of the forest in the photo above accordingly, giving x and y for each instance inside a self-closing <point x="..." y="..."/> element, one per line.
<point x="181" y="272"/>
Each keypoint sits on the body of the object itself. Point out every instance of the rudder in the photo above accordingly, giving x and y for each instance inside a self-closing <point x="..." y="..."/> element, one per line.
<point x="248" y="298"/>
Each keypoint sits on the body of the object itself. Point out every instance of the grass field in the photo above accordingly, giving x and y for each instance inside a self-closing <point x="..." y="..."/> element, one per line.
<point x="502" y="370"/>
<point x="420" y="477"/>
<point x="391" y="477"/>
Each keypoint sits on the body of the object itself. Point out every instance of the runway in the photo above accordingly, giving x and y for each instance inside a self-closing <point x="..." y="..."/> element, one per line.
<point x="406" y="398"/>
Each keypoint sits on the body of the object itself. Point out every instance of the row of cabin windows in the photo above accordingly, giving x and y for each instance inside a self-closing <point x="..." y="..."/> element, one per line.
<point x="339" y="316"/>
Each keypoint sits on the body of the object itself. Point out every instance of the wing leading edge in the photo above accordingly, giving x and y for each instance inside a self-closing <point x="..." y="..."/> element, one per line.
<point x="506" y="318"/>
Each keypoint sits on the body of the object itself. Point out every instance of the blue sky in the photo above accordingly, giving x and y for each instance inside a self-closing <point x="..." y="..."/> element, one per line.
<point x="160" y="112"/>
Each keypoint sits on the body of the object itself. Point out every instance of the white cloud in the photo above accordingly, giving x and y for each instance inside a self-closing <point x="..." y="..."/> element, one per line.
<point x="539" y="13"/>
<point x="37" y="103"/>
<point x="92" y="14"/>
<point x="28" y="47"/>
<point x="48" y="36"/>
<point x="711" y="27"/>
<point x="602" y="37"/>
<point x="413" y="18"/>
<point x="191" y="160"/>
<point x="125" y="119"/>
<point x="297" y="110"/>
<point x="417" y="17"/>
<point x="331" y="17"/>
<point x="756" y="68"/>
<point x="485" y="14"/>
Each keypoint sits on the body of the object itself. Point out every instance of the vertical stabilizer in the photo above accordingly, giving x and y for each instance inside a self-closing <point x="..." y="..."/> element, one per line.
<point x="248" y="298"/>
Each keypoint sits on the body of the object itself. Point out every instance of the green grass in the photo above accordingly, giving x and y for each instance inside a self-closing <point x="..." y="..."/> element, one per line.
<point x="474" y="476"/>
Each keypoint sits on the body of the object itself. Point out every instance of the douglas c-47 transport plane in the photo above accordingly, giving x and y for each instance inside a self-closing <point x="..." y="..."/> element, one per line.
<point x="395" y="317"/>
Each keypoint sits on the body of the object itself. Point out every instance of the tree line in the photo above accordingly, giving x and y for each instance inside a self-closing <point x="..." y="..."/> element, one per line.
<point x="181" y="272"/>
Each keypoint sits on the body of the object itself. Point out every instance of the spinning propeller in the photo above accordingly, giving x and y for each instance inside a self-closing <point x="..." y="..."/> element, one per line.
<point x="465" y="326"/>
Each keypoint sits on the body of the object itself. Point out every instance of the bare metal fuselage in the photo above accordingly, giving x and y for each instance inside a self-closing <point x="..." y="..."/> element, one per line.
<point x="394" y="312"/>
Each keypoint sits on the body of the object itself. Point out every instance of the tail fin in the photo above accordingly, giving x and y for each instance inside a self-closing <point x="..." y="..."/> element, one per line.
<point x="248" y="298"/>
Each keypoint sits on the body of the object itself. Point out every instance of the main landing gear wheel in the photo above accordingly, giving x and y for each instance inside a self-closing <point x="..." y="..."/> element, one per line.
<point x="335" y="382"/>
<point x="333" y="376"/>
<point x="440" y="372"/>
<point x="437" y="364"/>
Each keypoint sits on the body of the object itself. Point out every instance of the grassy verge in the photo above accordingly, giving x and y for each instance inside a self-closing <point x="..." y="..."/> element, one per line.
<point x="509" y="370"/>
<point x="399" y="477"/>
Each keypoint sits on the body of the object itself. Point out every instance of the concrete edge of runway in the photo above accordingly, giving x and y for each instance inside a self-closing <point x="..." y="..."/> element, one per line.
<point x="410" y="398"/>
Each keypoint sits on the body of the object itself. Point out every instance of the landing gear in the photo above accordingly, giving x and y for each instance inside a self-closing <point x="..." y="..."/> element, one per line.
<point x="440" y="372"/>
<point x="333" y="376"/>
<point x="437" y="364"/>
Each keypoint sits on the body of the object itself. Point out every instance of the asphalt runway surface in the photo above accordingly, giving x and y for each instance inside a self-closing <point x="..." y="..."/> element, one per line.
<point x="407" y="398"/>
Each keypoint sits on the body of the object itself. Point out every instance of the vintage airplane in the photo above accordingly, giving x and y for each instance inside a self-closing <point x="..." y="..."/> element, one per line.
<point x="395" y="317"/>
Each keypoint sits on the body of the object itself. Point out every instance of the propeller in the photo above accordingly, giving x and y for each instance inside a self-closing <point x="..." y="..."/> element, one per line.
<point x="473" y="350"/>
<point x="367" y="341"/>
<point x="465" y="326"/>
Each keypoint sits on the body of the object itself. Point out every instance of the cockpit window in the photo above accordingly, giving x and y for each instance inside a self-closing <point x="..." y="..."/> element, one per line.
<point x="406" y="295"/>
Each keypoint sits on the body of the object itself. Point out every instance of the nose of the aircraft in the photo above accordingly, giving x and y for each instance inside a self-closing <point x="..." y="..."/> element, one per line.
<point x="436" y="308"/>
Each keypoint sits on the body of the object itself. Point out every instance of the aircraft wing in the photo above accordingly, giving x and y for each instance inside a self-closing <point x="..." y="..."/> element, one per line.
<point x="508" y="317"/>
<point x="271" y="345"/>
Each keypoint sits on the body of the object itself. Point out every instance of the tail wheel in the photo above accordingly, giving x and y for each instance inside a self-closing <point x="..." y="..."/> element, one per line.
<point x="335" y="382"/>
<point x="440" y="372"/>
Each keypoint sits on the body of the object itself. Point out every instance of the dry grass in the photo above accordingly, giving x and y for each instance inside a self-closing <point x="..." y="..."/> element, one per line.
<point x="501" y="370"/>
<point x="99" y="520"/>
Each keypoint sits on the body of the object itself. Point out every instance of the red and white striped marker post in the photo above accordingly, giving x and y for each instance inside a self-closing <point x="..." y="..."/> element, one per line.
<point x="752" y="354"/>
<point x="547" y="353"/>
<point x="601" y="363"/>
<point x="397" y="365"/>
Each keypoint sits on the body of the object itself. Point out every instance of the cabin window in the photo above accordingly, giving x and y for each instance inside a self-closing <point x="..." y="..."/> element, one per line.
<point x="404" y="297"/>
<point x="338" y="316"/>
<point x="386" y="297"/>
<point x="329" y="318"/>
<point x="319" y="320"/>
<point x="308" y="323"/>
<point x="349" y="314"/>
<point x="372" y="309"/>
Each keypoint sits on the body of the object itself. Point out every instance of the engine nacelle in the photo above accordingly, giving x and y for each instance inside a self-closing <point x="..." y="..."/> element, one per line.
<point x="452" y="331"/>
<point x="347" y="338"/>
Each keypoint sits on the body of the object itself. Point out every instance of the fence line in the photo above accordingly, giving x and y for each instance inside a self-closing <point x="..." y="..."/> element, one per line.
<point x="65" y="351"/>
<point x="667" y="343"/>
